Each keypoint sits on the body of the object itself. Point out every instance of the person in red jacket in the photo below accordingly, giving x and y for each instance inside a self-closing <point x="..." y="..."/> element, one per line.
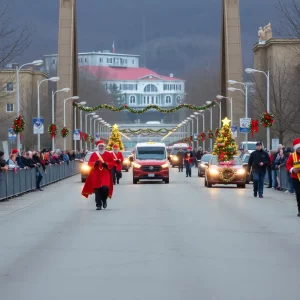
<point x="295" y="172"/>
<point x="117" y="169"/>
<point x="99" y="180"/>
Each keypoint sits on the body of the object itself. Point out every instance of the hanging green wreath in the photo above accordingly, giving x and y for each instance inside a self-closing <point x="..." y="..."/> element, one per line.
<point x="210" y="134"/>
<point x="65" y="132"/>
<point x="267" y="119"/>
<point x="52" y="130"/>
<point x="19" y="125"/>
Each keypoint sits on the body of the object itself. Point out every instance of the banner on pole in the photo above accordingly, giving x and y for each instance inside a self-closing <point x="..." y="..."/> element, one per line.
<point x="97" y="136"/>
<point x="76" y="135"/>
<point x="234" y="130"/>
<point x="11" y="135"/>
<point x="195" y="137"/>
<point x="38" y="125"/>
<point x="244" y="124"/>
<point x="275" y="143"/>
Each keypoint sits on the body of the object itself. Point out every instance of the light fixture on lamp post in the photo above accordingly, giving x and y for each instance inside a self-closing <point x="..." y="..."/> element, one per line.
<point x="267" y="74"/>
<point x="85" y="128"/>
<point x="220" y="97"/>
<point x="34" y="63"/>
<point x="52" y="79"/>
<point x="200" y="113"/>
<point x="80" y="121"/>
<point x="65" y="100"/>
<point x="64" y="90"/>
<point x="193" y="116"/>
<point x="245" y="92"/>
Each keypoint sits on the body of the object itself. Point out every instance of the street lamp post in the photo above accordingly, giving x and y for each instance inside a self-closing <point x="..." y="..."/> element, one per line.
<point x="53" y="79"/>
<point x="231" y="110"/>
<point x="220" y="112"/>
<point x="192" y="129"/>
<point x="203" y="124"/>
<point x="197" y="131"/>
<point x="249" y="71"/>
<point x="65" y="90"/>
<point x="95" y="121"/>
<point x="245" y="92"/>
<point x="65" y="100"/>
<point x="34" y="63"/>
<point x="86" y="116"/>
<point x="75" y="122"/>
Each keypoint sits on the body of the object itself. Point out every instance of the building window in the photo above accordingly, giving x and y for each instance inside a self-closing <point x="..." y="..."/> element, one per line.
<point x="144" y="100"/>
<point x="133" y="61"/>
<point x="9" y="87"/>
<point x="132" y="100"/>
<point x="9" y="107"/>
<point x="150" y="88"/>
<point x="53" y="61"/>
<point x="101" y="60"/>
<point x="168" y="100"/>
<point x="178" y="99"/>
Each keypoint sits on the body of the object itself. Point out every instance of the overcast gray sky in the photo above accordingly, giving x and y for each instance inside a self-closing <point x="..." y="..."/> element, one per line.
<point x="196" y="21"/>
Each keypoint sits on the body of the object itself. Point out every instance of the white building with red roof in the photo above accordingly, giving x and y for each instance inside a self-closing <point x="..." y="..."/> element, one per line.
<point x="139" y="87"/>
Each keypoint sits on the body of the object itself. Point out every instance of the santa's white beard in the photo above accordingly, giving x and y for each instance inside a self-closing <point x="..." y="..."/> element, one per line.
<point x="101" y="151"/>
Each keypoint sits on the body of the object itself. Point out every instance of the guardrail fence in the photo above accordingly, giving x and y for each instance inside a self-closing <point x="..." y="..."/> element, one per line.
<point x="23" y="181"/>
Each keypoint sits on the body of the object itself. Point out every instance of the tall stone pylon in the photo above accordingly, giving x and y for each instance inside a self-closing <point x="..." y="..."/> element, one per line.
<point x="231" y="60"/>
<point x="67" y="69"/>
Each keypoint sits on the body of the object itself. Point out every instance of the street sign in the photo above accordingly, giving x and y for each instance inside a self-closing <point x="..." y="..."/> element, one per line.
<point x="275" y="143"/>
<point x="76" y="135"/>
<point x="244" y="124"/>
<point x="38" y="125"/>
<point x="234" y="130"/>
<point x="195" y="137"/>
<point x="11" y="135"/>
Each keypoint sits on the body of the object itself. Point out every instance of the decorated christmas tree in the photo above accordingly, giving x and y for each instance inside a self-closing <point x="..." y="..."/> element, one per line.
<point x="225" y="146"/>
<point x="115" y="139"/>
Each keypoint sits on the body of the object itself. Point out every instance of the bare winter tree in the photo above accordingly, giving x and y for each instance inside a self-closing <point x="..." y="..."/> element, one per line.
<point x="284" y="100"/>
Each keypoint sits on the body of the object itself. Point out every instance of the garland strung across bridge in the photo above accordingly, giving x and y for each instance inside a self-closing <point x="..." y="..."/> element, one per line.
<point x="146" y="130"/>
<point x="141" y="111"/>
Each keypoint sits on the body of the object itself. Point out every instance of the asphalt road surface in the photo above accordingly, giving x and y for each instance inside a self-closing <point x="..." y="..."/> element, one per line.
<point x="155" y="241"/>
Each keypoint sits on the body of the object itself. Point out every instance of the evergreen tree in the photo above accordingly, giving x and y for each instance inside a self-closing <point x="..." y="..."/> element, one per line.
<point x="115" y="139"/>
<point x="225" y="146"/>
<point x="116" y="94"/>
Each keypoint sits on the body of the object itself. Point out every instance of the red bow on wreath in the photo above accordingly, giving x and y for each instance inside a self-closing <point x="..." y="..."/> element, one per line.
<point x="253" y="127"/>
<point x="202" y="135"/>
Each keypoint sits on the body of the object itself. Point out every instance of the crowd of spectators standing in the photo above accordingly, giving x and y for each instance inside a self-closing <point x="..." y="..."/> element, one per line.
<point x="37" y="160"/>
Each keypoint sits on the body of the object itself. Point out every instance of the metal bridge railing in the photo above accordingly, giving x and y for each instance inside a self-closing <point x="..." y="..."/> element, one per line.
<point x="23" y="181"/>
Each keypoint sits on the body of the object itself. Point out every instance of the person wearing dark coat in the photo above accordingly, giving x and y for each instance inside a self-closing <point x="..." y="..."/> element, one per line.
<point x="258" y="161"/>
<point x="180" y="156"/>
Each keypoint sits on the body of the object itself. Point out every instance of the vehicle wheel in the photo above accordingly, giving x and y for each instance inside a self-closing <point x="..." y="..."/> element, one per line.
<point x="209" y="185"/>
<point x="167" y="180"/>
<point x="126" y="170"/>
<point x="241" y="186"/>
<point x="173" y="166"/>
<point x="205" y="182"/>
<point x="199" y="175"/>
<point x="83" y="179"/>
<point x="134" y="181"/>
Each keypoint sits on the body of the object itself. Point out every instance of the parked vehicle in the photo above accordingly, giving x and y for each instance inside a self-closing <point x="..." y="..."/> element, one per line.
<point x="203" y="164"/>
<point x="150" y="162"/>
<point x="245" y="159"/>
<point x="174" y="161"/>
<point x="215" y="173"/>
<point x="251" y="147"/>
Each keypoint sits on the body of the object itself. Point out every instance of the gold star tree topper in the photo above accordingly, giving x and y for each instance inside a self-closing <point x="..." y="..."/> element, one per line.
<point x="115" y="126"/>
<point x="226" y="121"/>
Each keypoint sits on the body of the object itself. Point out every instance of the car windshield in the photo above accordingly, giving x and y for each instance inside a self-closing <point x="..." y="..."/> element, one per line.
<point x="251" y="146"/>
<point x="206" y="158"/>
<point x="156" y="153"/>
<point x="175" y="150"/>
<point x="87" y="157"/>
<point x="236" y="161"/>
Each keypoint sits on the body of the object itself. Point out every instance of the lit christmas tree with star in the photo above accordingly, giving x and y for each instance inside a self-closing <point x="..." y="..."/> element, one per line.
<point x="115" y="139"/>
<point x="225" y="146"/>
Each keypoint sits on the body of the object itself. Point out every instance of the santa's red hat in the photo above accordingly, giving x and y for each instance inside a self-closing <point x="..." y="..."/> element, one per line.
<point x="115" y="147"/>
<point x="296" y="144"/>
<point x="190" y="148"/>
<point x="14" y="151"/>
<point x="100" y="142"/>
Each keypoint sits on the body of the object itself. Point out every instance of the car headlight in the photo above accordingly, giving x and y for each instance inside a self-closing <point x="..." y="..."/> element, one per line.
<point x="213" y="172"/>
<point x="175" y="158"/>
<point x="241" y="172"/>
<point x="164" y="166"/>
<point x="137" y="166"/>
<point x="85" y="168"/>
<point x="203" y="165"/>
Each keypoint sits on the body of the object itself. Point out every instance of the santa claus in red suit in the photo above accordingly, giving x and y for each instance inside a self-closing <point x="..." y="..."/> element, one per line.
<point x="293" y="167"/>
<point x="117" y="170"/>
<point x="99" y="180"/>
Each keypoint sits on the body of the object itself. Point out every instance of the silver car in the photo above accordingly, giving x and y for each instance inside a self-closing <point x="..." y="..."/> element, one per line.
<point x="203" y="164"/>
